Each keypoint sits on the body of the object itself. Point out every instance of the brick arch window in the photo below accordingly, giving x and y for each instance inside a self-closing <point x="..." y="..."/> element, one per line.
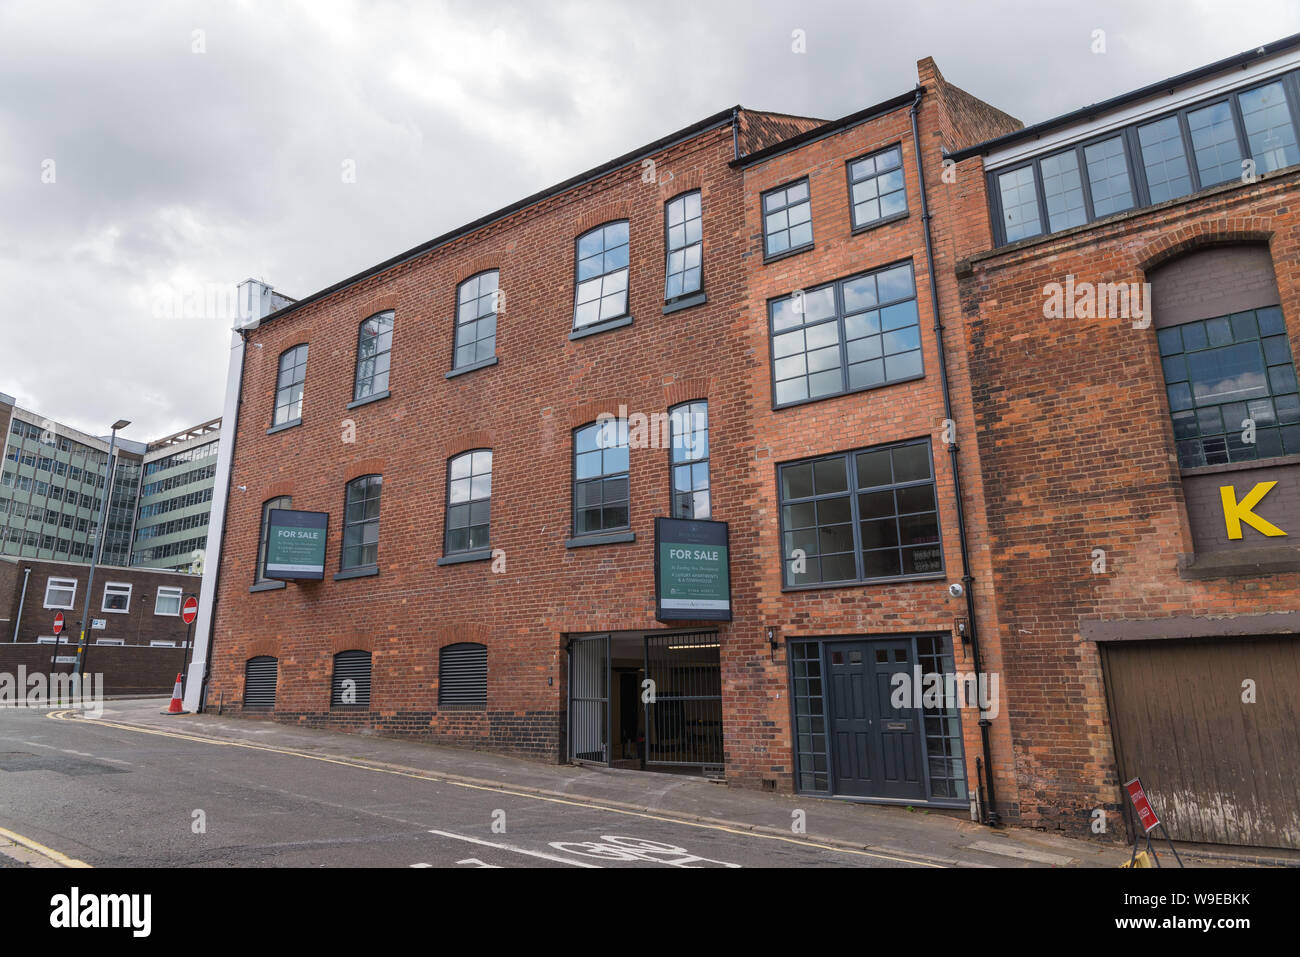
<point x="289" y="385"/>
<point x="1229" y="373"/>
<point x="374" y="352"/>
<point x="684" y="244"/>
<point x="280" y="501"/>
<point x="478" y="300"/>
<point x="601" y="479"/>
<point x="462" y="675"/>
<point x="361" y="523"/>
<point x="350" y="682"/>
<point x="469" y="501"/>
<point x="688" y="457"/>
<point x="602" y="275"/>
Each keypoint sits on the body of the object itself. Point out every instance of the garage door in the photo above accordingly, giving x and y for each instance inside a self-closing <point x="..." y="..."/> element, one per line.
<point x="1219" y="770"/>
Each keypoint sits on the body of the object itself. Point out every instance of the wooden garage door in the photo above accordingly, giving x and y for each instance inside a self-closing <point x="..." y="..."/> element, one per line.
<point x="1218" y="770"/>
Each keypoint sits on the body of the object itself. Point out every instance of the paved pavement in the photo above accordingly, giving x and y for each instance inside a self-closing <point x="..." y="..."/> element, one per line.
<point x="139" y="789"/>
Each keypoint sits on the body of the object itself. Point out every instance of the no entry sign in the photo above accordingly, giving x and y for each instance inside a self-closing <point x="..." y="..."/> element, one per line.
<point x="1145" y="812"/>
<point x="190" y="610"/>
<point x="58" y="623"/>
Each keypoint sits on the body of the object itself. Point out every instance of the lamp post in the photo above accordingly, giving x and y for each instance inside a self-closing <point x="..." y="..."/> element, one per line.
<point x="98" y="550"/>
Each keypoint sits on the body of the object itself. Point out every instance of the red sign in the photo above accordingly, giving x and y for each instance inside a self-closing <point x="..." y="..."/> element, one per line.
<point x="58" y="623"/>
<point x="1145" y="812"/>
<point x="190" y="611"/>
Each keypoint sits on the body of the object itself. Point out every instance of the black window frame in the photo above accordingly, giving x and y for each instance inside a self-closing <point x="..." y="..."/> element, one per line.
<point x="625" y="316"/>
<point x="279" y="370"/>
<point x="855" y="520"/>
<point x="456" y="366"/>
<point x="264" y="534"/>
<point x="1128" y="133"/>
<point x="764" y="212"/>
<point x="621" y="425"/>
<point x="458" y="699"/>
<point x="674" y="464"/>
<point x="374" y="393"/>
<point x="698" y="293"/>
<point x="343" y="545"/>
<point x="857" y="227"/>
<point x="447" y="504"/>
<point x="1287" y="433"/>
<point x="838" y="284"/>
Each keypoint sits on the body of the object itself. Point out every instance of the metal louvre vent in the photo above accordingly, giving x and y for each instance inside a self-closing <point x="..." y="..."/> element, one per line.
<point x="259" y="682"/>
<point x="350" y="685"/>
<point x="462" y="675"/>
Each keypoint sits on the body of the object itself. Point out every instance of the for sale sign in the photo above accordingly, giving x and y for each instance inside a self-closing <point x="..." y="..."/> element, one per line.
<point x="1145" y="812"/>
<point x="295" y="545"/>
<point x="692" y="571"/>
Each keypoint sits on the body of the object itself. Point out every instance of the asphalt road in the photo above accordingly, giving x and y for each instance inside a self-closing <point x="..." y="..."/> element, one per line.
<point x="110" y="796"/>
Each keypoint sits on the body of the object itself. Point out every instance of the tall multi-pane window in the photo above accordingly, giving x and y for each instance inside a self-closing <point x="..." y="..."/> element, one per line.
<point x="374" y="349"/>
<point x="1063" y="188"/>
<point x="787" y="219"/>
<point x="1224" y="375"/>
<point x="876" y="188"/>
<point x="1267" y="119"/>
<point x="688" y="424"/>
<point x="289" y="384"/>
<point x="602" y="257"/>
<point x="469" y="501"/>
<point x="477" y="304"/>
<point x="1019" y="204"/>
<point x="854" y="334"/>
<point x="1164" y="159"/>
<point x="860" y="516"/>
<point x="601" y="489"/>
<point x="283" y="501"/>
<point x="361" y="522"/>
<point x="1108" y="178"/>
<point x="684" y="241"/>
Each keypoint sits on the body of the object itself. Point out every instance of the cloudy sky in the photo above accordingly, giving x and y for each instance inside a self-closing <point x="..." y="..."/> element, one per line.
<point x="146" y="167"/>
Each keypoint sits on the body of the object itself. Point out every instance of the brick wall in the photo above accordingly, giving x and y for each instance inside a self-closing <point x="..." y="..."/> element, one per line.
<point x="1078" y="454"/>
<point x="124" y="670"/>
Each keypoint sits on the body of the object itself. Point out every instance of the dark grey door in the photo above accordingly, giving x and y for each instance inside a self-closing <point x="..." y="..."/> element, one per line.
<point x="876" y="749"/>
<point x="589" y="699"/>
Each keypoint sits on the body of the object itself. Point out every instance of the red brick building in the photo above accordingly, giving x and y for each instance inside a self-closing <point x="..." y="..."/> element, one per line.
<point x="1140" y="446"/>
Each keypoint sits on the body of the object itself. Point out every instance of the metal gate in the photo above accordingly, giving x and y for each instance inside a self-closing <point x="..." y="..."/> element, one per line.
<point x="589" y="699"/>
<point x="683" y="714"/>
<point x="259" y="682"/>
<point x="1216" y="756"/>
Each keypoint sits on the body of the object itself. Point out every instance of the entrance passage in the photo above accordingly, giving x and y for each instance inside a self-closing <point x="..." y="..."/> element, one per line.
<point x="1209" y="725"/>
<point x="850" y="740"/>
<point x="646" y="700"/>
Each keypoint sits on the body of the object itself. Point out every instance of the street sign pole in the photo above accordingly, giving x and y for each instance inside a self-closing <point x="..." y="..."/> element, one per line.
<point x="58" y="637"/>
<point x="189" y="611"/>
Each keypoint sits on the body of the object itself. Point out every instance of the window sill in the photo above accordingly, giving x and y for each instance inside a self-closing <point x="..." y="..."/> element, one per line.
<point x="894" y="580"/>
<point x="599" y="327"/>
<point x="1275" y="461"/>
<point x="876" y="224"/>
<point x="839" y="395"/>
<point x="268" y="586"/>
<point x="786" y="254"/>
<point x="1241" y="563"/>
<point x="367" y="572"/>
<point x="472" y="367"/>
<point x="284" y="426"/>
<point x="460" y="558"/>
<point x="604" y="538"/>
<point x="378" y="396"/>
<point x="686" y="302"/>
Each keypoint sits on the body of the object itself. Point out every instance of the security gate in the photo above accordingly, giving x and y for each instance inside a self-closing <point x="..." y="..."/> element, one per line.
<point x="589" y="699"/>
<point x="683" y="709"/>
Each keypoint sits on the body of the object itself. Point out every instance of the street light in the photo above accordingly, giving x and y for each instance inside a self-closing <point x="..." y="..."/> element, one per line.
<point x="98" y="550"/>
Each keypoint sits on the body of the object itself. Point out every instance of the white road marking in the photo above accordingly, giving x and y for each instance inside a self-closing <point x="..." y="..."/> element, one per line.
<point x="516" y="850"/>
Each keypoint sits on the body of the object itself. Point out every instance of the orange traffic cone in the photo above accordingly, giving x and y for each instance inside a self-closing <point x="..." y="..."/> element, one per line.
<point x="176" y="707"/>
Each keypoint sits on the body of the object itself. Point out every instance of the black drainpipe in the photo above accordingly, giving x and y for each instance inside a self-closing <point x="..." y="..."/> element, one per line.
<point x="735" y="131"/>
<point x="991" y="816"/>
